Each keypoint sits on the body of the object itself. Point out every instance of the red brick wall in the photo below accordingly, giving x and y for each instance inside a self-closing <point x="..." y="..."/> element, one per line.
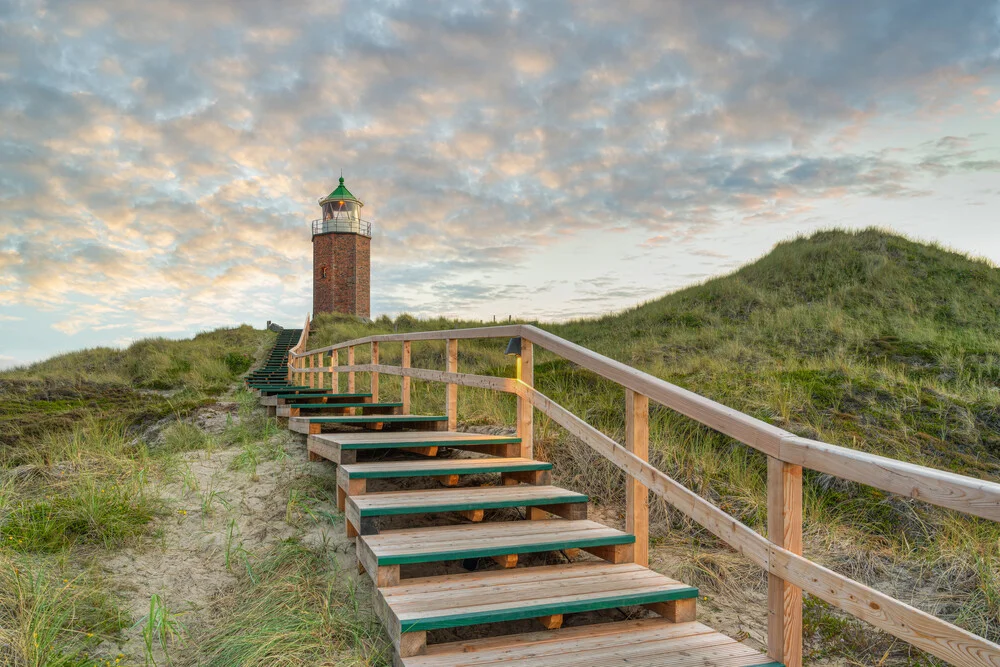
<point x="347" y="285"/>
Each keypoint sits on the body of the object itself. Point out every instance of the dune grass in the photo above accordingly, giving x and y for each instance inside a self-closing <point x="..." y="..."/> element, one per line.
<point x="862" y="339"/>
<point x="148" y="380"/>
<point x="294" y="607"/>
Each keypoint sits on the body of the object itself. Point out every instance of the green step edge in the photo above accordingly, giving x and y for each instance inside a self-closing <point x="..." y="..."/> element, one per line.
<point x="533" y="611"/>
<point x="395" y="444"/>
<point x="324" y="396"/>
<point x="318" y="406"/>
<point x="372" y="419"/>
<point x="484" y="552"/>
<point x="519" y="467"/>
<point x="461" y="507"/>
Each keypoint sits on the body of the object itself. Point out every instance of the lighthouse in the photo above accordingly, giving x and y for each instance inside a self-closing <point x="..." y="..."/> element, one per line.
<point x="341" y="256"/>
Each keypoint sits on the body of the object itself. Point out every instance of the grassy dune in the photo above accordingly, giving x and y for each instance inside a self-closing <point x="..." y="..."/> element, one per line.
<point x="865" y="339"/>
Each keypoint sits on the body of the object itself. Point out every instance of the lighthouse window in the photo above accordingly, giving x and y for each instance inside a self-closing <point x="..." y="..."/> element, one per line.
<point x="323" y="272"/>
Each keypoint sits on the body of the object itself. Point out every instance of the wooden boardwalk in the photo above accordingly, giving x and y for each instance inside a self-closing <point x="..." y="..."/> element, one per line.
<point x="598" y="572"/>
<point x="516" y="516"/>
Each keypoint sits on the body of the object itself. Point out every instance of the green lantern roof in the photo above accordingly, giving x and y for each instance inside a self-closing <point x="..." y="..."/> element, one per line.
<point x="340" y="193"/>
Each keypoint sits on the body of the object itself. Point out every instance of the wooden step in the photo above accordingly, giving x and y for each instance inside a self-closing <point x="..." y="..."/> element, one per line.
<point x="313" y="425"/>
<point x="343" y="448"/>
<point x="270" y="388"/>
<point x="352" y="479"/>
<point x="363" y="511"/>
<point x="648" y="642"/>
<point x="335" y="408"/>
<point x="322" y="398"/>
<point x="382" y="554"/>
<point x="284" y="398"/>
<point x="409" y="610"/>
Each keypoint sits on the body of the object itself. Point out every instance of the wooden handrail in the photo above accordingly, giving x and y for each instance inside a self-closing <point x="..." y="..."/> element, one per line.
<point x="787" y="454"/>
<point x="958" y="492"/>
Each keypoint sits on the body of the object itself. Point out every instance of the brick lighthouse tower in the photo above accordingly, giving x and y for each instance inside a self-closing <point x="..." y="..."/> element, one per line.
<point x="341" y="256"/>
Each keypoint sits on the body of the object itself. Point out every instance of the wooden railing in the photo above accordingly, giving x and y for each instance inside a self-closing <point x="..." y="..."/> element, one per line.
<point x="780" y="553"/>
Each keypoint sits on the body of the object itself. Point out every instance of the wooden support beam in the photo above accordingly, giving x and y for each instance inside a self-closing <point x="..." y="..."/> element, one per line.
<point x="412" y="643"/>
<point x="311" y="364"/>
<point x="448" y="480"/>
<point x="350" y="374"/>
<point x="319" y="364"/>
<point x="784" y="528"/>
<point x="525" y="411"/>
<point x="506" y="561"/>
<point x="387" y="575"/>
<point x="451" y="395"/>
<point x="334" y="376"/>
<point x="536" y="477"/>
<point x="676" y="611"/>
<point x="374" y="385"/>
<point x="565" y="510"/>
<point x="551" y="622"/>
<point x="636" y="493"/>
<point x="405" y="363"/>
<point x="475" y="516"/>
<point x="615" y="553"/>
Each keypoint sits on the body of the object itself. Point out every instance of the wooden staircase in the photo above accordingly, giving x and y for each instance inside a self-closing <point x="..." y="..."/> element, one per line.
<point x="598" y="571"/>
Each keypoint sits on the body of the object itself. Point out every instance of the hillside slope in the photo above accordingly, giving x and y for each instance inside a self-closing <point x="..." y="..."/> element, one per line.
<point x="149" y="379"/>
<point x="864" y="339"/>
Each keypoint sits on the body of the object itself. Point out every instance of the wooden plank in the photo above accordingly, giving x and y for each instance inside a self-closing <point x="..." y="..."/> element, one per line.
<point x="504" y="595"/>
<point x="402" y="439"/>
<point x="331" y="451"/>
<point x="370" y="419"/>
<point x="508" y="385"/>
<point x="504" y="331"/>
<point x="405" y="380"/>
<point x="727" y="528"/>
<point x="334" y="376"/>
<point x="746" y="429"/>
<point x="390" y="469"/>
<point x="451" y="395"/>
<point x="918" y="628"/>
<point x="342" y="406"/>
<point x="481" y="541"/>
<point x="957" y="492"/>
<point x="396" y="503"/>
<point x="350" y="374"/>
<point x="525" y="411"/>
<point x="638" y="643"/>
<point x="374" y="374"/>
<point x="784" y="528"/>
<point x="636" y="493"/>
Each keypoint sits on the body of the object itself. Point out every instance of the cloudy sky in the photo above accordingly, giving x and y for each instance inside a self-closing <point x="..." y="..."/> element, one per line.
<point x="160" y="161"/>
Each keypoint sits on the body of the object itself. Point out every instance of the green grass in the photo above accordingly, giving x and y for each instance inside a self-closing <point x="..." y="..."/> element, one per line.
<point x="150" y="379"/>
<point x="294" y="607"/>
<point x="75" y="481"/>
<point x="862" y="339"/>
<point x="50" y="615"/>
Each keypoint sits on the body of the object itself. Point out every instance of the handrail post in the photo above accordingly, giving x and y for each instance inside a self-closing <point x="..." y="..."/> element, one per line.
<point x="320" y="382"/>
<point x="350" y="374"/>
<point x="636" y="493"/>
<point x="525" y="410"/>
<point x="374" y="373"/>
<point x="334" y="376"/>
<point x="405" y="380"/>
<point x="451" y="395"/>
<point x="784" y="528"/>
<point x="312" y="367"/>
